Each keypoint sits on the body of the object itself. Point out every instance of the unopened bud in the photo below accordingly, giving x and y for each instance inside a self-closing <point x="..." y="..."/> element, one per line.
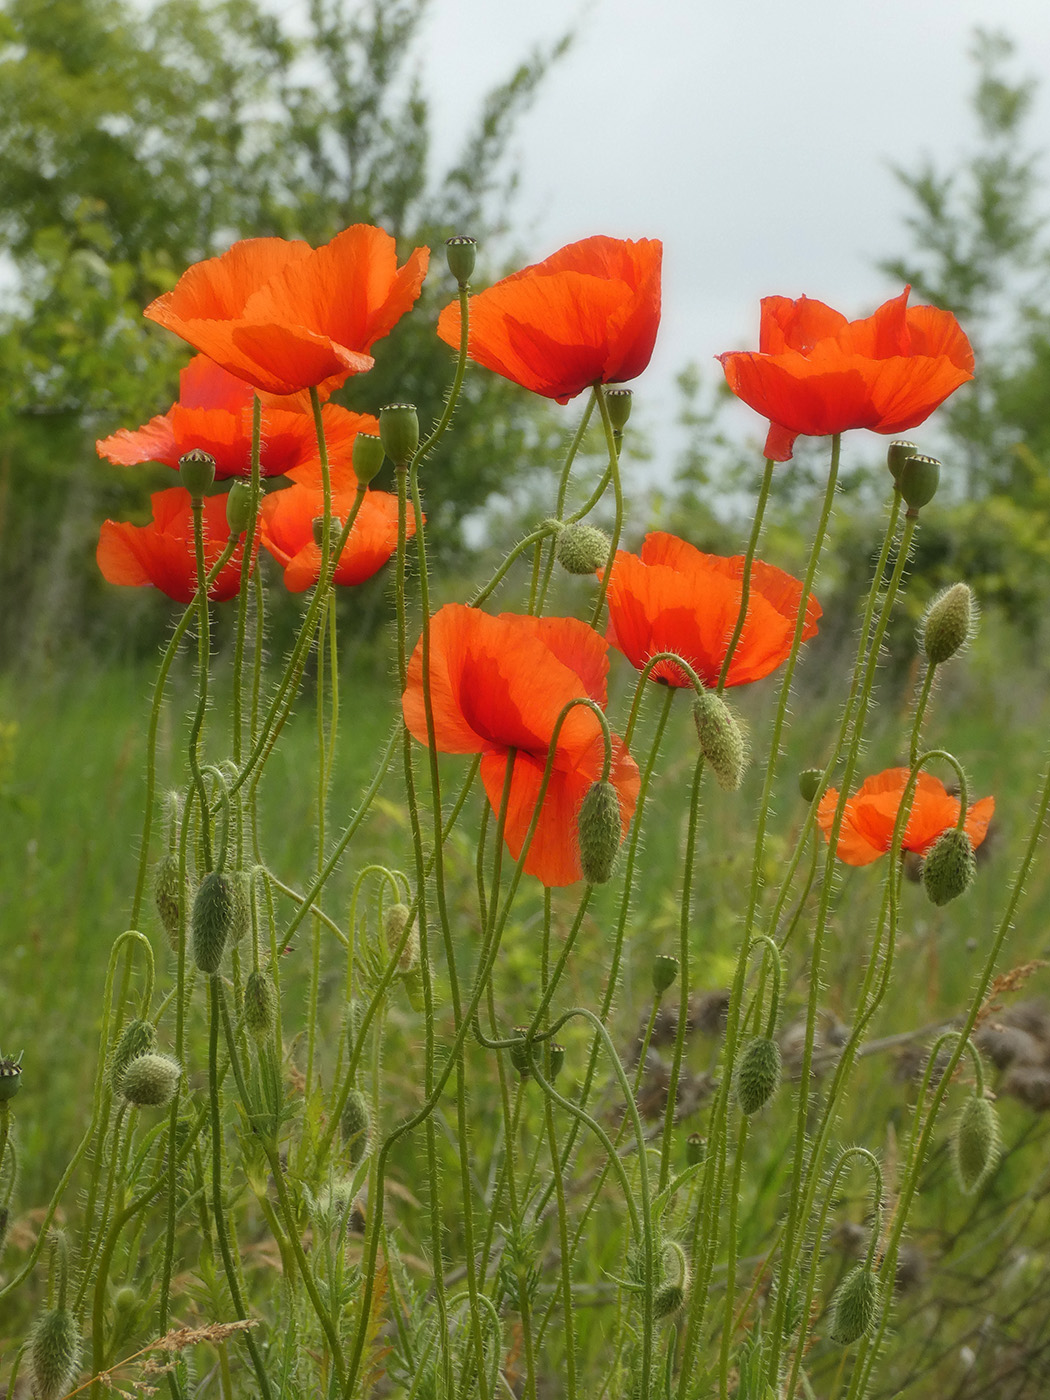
<point x="394" y="925"/>
<point x="670" y="1297"/>
<point x="897" y="454"/>
<point x="809" y="783"/>
<point x="54" y="1349"/>
<point x="461" y="253"/>
<point x="150" y="1080"/>
<point x="948" y="624"/>
<point x="368" y="457"/>
<point x="241" y="894"/>
<point x="975" y="1142"/>
<point x="618" y="402"/>
<point x="599" y="830"/>
<point x="240" y="507"/>
<point x="211" y="921"/>
<point x="665" y="970"/>
<point x="168" y="894"/>
<point x="854" y="1306"/>
<point x="721" y="739"/>
<point x="918" y="481"/>
<point x="197" y="470"/>
<point x="758" y="1074"/>
<point x="949" y="869"/>
<point x="399" y="431"/>
<point x="582" y="549"/>
<point x="137" y="1038"/>
<point x="260" y="1005"/>
<point x="356" y="1125"/>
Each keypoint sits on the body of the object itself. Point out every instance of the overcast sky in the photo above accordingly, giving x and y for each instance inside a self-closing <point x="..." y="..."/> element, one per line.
<point x="754" y="138"/>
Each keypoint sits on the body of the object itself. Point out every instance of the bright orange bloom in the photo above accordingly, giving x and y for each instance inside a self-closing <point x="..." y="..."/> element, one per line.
<point x="587" y="315"/>
<point x="162" y="552"/>
<point x="499" y="684"/>
<point x="817" y="373"/>
<point x="868" y="820"/>
<point x="284" y="316"/>
<point x="214" y="413"/>
<point x="673" y="598"/>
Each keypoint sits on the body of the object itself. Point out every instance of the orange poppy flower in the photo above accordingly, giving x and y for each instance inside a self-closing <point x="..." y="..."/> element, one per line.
<point x="673" y="598"/>
<point x="868" y="820"/>
<point x="587" y="315"/>
<point x="162" y="553"/>
<point x="817" y="373"/>
<point x="499" y="684"/>
<point x="214" y="413"/>
<point x="287" y="317"/>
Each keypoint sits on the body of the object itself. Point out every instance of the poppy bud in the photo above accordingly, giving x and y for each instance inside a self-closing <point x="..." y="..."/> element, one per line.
<point x="757" y="1075"/>
<point x="854" y="1306"/>
<point x="618" y="402"/>
<point x="598" y="826"/>
<point x="241" y="894"/>
<point x="521" y="1052"/>
<point x="137" y="1038"/>
<point x="54" y="1348"/>
<point x="665" y="970"/>
<point x="197" y="470"/>
<point x="260" y="1005"/>
<point x="555" y="1059"/>
<point x="240" y="507"/>
<point x="168" y="894"/>
<point x="897" y="454"/>
<point x="356" y="1125"/>
<point x="397" y="917"/>
<point x="918" y="482"/>
<point x="949" y="869"/>
<point x="125" y="1299"/>
<point x="694" y="1150"/>
<point x="150" y="1080"/>
<point x="461" y="253"/>
<point x="721" y="739"/>
<point x="368" y="457"/>
<point x="5" y="1221"/>
<point x="211" y="921"/>
<point x="399" y="431"/>
<point x="975" y="1142"/>
<point x="948" y="624"/>
<point x="671" y="1295"/>
<point x="582" y="549"/>
<point x="809" y="783"/>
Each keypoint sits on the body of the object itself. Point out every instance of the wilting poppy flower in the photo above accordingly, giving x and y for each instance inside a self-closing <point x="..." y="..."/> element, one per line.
<point x="869" y="816"/>
<point x="284" y="316"/>
<point x="817" y="373"/>
<point x="162" y="552"/>
<point x="288" y="531"/>
<point x="673" y="598"/>
<point x="500" y="683"/>
<point x="214" y="413"/>
<point x="587" y="315"/>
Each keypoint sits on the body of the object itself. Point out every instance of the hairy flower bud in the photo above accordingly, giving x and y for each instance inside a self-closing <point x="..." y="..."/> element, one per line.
<point x="150" y="1080"/>
<point x="948" y="623"/>
<point x="598" y="826"/>
<point x="54" y="1348"/>
<point x="976" y="1142"/>
<point x="618" y="402"/>
<point x="260" y="1005"/>
<point x="670" y="1297"/>
<point x="949" y="869"/>
<point x="665" y="970"/>
<point x="240" y="507"/>
<point x="757" y="1074"/>
<point x="582" y="549"/>
<point x="356" y="1125"/>
<point x="211" y="922"/>
<point x="197" y="470"/>
<point x="368" y="457"/>
<point x="461" y="253"/>
<point x="137" y="1038"/>
<point x="854" y="1306"/>
<point x="399" y="431"/>
<point x="918" y="481"/>
<point x="168" y="895"/>
<point x="394" y="925"/>
<point x="721" y="739"/>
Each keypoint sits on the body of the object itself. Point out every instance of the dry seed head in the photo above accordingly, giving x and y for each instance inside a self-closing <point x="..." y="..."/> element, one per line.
<point x="949" y="869"/>
<point x="758" y="1074"/>
<point x="854" y="1306"/>
<point x="721" y="739"/>
<point x="54" y="1347"/>
<point x="976" y="1142"/>
<point x="168" y="894"/>
<point x="583" y="549"/>
<point x="599" y="831"/>
<point x="356" y="1125"/>
<point x="260" y="1005"/>
<point x="211" y="921"/>
<point x="150" y="1080"/>
<point x="948" y="623"/>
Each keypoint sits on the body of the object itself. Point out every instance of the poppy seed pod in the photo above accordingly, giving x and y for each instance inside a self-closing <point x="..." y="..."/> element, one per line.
<point x="240" y="507"/>
<point x="555" y="1059"/>
<point x="211" y="921"/>
<point x="809" y="783"/>
<point x="976" y="1142"/>
<point x="399" y="431"/>
<point x="137" y="1038"/>
<point x="721" y="739"/>
<point x="168" y="894"/>
<point x="583" y="549"/>
<point x="757" y="1074"/>
<point x="54" y="1347"/>
<point x="521" y="1052"/>
<point x="150" y="1080"/>
<point x="461" y="253"/>
<point x="368" y="457"/>
<point x="854" y="1306"/>
<point x="949" y="869"/>
<point x="260" y="1005"/>
<point x="665" y="970"/>
<point x="948" y="623"/>
<point x="618" y="402"/>
<point x="335" y="529"/>
<point x="897" y="454"/>
<point x="599" y="831"/>
<point x="10" y="1078"/>
<point x="197" y="470"/>
<point x="356" y="1125"/>
<point x="695" y="1150"/>
<point x="919" y="479"/>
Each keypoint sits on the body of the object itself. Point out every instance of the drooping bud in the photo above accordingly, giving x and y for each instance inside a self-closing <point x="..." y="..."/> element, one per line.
<point x="758" y="1074"/>
<point x="665" y="970"/>
<point x="54" y="1348"/>
<point x="394" y="924"/>
<point x="975" y="1142"/>
<point x="211" y="921"/>
<point x="670" y="1297"/>
<point x="399" y="431"/>
<point x="809" y="783"/>
<point x="854" y="1306"/>
<point x="949" y="869"/>
<point x="582" y="549"/>
<point x="150" y="1080"/>
<point x="461" y="253"/>
<point x="721" y="739"/>
<point x="197" y="470"/>
<point x="948" y="623"/>
<point x="356" y="1125"/>
<point x="618" y="402"/>
<point x="168" y="894"/>
<point x="137" y="1038"/>
<point x="695" y="1149"/>
<point x="368" y="457"/>
<point x="521" y="1052"/>
<point x="599" y="830"/>
<point x="260" y="1005"/>
<point x="918" y="482"/>
<point x="897" y="454"/>
<point x="240" y="507"/>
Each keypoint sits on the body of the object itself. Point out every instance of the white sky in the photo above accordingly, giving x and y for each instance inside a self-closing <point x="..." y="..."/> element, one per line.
<point x="753" y="136"/>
